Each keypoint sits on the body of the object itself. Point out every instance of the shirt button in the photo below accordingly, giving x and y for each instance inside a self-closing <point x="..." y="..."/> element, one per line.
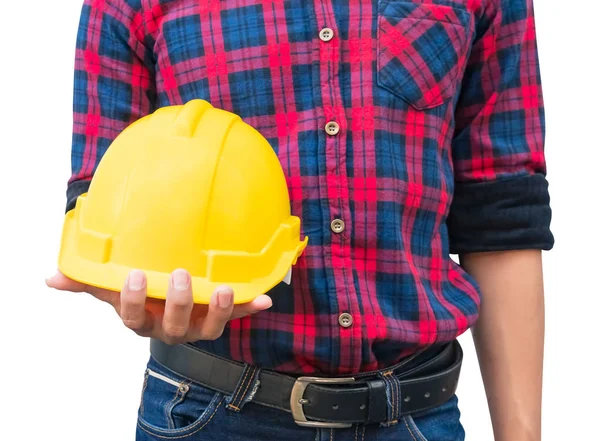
<point x="338" y="225"/>
<point x="326" y="34"/>
<point x="332" y="128"/>
<point x="345" y="320"/>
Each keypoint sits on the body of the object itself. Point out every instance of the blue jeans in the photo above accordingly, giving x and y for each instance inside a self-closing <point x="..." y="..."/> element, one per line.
<point x="175" y="408"/>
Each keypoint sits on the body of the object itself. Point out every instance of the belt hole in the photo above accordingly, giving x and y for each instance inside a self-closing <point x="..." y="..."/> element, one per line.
<point x="363" y="407"/>
<point x="336" y="407"/>
<point x="427" y="394"/>
<point x="407" y="399"/>
<point x="444" y="389"/>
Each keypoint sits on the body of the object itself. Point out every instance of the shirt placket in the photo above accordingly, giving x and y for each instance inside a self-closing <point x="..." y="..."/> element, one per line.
<point x="345" y="317"/>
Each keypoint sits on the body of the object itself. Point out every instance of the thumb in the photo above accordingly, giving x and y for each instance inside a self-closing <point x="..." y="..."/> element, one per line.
<point x="63" y="283"/>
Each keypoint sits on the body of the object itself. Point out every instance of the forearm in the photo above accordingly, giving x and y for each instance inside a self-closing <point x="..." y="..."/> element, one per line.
<point x="509" y="338"/>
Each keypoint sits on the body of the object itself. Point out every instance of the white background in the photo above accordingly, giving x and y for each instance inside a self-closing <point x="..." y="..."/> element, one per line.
<point x="69" y="369"/>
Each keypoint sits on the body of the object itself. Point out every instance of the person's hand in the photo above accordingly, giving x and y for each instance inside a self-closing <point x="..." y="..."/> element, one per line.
<point x="174" y="320"/>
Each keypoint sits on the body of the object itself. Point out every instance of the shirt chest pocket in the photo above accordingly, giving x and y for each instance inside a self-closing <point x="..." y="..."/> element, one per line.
<point x="422" y="50"/>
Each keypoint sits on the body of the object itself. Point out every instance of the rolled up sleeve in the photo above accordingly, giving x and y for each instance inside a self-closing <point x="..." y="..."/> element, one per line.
<point x="113" y="84"/>
<point x="501" y="199"/>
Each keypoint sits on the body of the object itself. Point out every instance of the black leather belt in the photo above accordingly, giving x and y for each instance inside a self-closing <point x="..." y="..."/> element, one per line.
<point x="426" y="380"/>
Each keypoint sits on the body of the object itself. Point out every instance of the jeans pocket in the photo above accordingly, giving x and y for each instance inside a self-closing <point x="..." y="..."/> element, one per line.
<point x="421" y="50"/>
<point x="441" y="423"/>
<point x="172" y="406"/>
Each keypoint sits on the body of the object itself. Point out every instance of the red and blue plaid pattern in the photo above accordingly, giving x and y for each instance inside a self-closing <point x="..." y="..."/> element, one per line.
<point x="440" y="150"/>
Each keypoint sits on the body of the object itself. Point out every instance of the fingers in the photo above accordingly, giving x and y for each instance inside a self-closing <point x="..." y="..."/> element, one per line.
<point x="220" y="311"/>
<point x="176" y="312"/>
<point x="62" y="283"/>
<point x="259" y="304"/>
<point x="178" y="308"/>
<point x="133" y="302"/>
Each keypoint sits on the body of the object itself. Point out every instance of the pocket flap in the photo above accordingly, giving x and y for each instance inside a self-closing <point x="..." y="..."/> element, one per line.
<point x="422" y="48"/>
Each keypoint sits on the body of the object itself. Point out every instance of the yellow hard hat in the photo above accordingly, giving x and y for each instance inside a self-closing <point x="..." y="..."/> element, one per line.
<point x="190" y="187"/>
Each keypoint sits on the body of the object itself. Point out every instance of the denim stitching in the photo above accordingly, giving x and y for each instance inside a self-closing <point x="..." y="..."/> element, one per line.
<point x="398" y="398"/>
<point x="167" y="411"/>
<point x="388" y="379"/>
<point x="182" y="436"/>
<point x="395" y="383"/>
<point x="143" y="390"/>
<point x="239" y="388"/>
<point x="394" y="397"/>
<point x="177" y="399"/>
<point x="250" y="381"/>
<point x="237" y="392"/>
<point x="170" y="405"/>
<point x="409" y="420"/>
<point x="408" y="428"/>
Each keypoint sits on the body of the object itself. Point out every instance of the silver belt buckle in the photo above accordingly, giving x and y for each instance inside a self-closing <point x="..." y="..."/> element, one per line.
<point x="297" y="400"/>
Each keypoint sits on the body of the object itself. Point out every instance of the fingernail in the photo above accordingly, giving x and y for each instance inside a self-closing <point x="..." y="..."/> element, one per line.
<point x="268" y="302"/>
<point x="136" y="280"/>
<point x="181" y="280"/>
<point x="224" y="298"/>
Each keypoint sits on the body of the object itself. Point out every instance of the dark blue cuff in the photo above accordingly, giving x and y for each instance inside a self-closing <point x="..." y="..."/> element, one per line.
<point x="508" y="214"/>
<point x="74" y="190"/>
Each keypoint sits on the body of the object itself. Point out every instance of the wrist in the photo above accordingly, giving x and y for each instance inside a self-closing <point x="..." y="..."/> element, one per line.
<point x="517" y="431"/>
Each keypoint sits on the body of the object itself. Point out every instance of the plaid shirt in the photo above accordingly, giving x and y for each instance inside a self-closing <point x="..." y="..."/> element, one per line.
<point x="437" y="148"/>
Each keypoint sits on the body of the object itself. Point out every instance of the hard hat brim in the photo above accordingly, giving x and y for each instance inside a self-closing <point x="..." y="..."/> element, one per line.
<point x="112" y="276"/>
